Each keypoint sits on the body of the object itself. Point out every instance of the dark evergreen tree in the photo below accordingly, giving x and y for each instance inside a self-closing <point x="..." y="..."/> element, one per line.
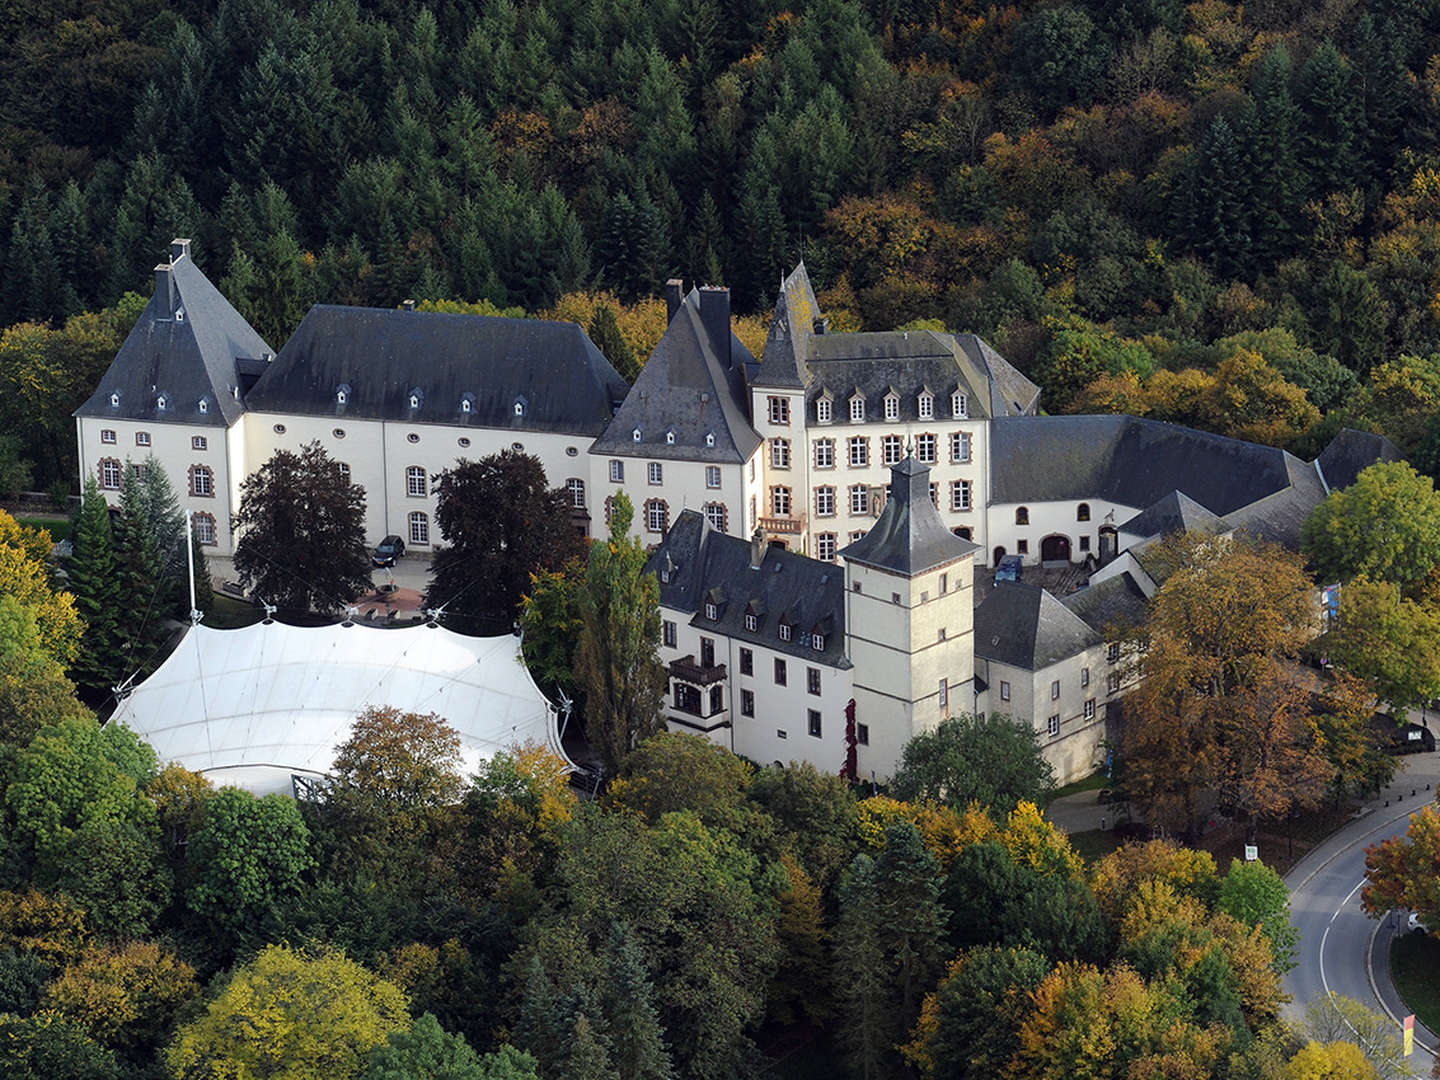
<point x="33" y="289"/>
<point x="1386" y="90"/>
<point x="1275" y="183"/>
<point x="862" y="984"/>
<point x="1222" y="201"/>
<point x="138" y="565"/>
<point x="1330" y="141"/>
<point x="97" y="595"/>
<point x="588" y="1057"/>
<point x="637" y="1041"/>
<point x="912" y="920"/>
<point x="604" y="331"/>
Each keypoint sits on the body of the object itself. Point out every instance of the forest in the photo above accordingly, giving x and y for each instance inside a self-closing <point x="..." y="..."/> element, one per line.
<point x="1223" y="215"/>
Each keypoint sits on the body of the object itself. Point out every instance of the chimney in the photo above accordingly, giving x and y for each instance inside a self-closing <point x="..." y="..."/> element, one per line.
<point x="179" y="249"/>
<point x="165" y="287"/>
<point x="408" y="305"/>
<point x="757" y="548"/>
<point x="674" y="296"/>
<point x="715" y="315"/>
<point x="821" y="325"/>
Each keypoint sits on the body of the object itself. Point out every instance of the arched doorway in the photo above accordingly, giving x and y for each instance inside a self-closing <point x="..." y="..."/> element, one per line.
<point x="999" y="554"/>
<point x="1109" y="543"/>
<point x="1055" y="549"/>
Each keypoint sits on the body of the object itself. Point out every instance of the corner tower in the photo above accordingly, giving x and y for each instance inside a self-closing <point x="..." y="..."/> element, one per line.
<point x="910" y="618"/>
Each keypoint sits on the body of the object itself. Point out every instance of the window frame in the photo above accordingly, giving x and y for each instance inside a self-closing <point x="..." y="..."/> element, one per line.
<point x="825" y="494"/>
<point x="575" y="488"/>
<point x="857" y="451"/>
<point x="712" y="477"/>
<point x="859" y="500"/>
<point x="104" y="467"/>
<point x="781" y="674"/>
<point x="961" y="499"/>
<point x="826" y="546"/>
<point x="780" y="453"/>
<point x="824" y="453"/>
<point x="416" y="476"/>
<point x="1004" y="690"/>
<point x="201" y="522"/>
<point x="654" y="473"/>
<point x="779" y="409"/>
<point x="814" y="723"/>
<point x="418" y="526"/>
<point x="1052" y="725"/>
<point x="617" y="471"/>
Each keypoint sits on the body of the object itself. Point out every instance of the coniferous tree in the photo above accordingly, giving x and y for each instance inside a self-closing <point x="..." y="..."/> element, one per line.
<point x="97" y="596"/>
<point x="1222" y="213"/>
<point x="618" y="662"/>
<point x="861" y="983"/>
<point x="588" y="1058"/>
<point x="1275" y="182"/>
<point x="604" y="331"/>
<point x="541" y="1026"/>
<point x="637" y="1041"/>
<point x="167" y="524"/>
<point x="912" y="920"/>
<point x="137" y="566"/>
<point x="1385" y="90"/>
<point x="1330" y="133"/>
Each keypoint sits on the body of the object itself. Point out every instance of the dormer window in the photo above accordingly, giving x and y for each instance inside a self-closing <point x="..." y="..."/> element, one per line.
<point x="824" y="410"/>
<point x="857" y="409"/>
<point x="519" y="408"/>
<point x="635" y="435"/>
<point x="817" y="642"/>
<point x="342" y="394"/>
<point x="204" y="406"/>
<point x="709" y="438"/>
<point x="960" y="405"/>
<point x="416" y="397"/>
<point x="711" y="611"/>
<point x="892" y="407"/>
<point x="115" y="400"/>
<point x="180" y="314"/>
<point x="751" y="622"/>
<point x="160" y="402"/>
<point x="467" y="406"/>
<point x="925" y="406"/>
<point x="670" y="437"/>
<point x="785" y="631"/>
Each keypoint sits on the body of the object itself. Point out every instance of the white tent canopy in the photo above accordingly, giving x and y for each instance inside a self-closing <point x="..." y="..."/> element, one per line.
<point x="252" y="707"/>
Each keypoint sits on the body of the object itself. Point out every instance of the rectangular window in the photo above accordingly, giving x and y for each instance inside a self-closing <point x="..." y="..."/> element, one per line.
<point x="202" y="481"/>
<point x="944" y="584"/>
<point x="786" y="631"/>
<point x="780" y="733"/>
<point x="717" y="698"/>
<point x="959" y="494"/>
<point x="862" y="734"/>
<point x="198" y="442"/>
<point x="779" y="410"/>
<point x="944" y="693"/>
<point x="859" y="447"/>
<point x="1052" y="726"/>
<point x="857" y="410"/>
<point x="892" y="449"/>
<point x="419" y="528"/>
<point x="655" y="472"/>
<point x="892" y="407"/>
<point x="825" y="453"/>
<point x="1055" y="690"/>
<point x="1022" y="547"/>
<point x="668" y="628"/>
<point x="812" y="680"/>
<point x="657" y="515"/>
<point x="925" y="449"/>
<point x="935" y="495"/>
<point x="824" y="410"/>
<point x="859" y="499"/>
<point x="959" y="405"/>
<point x="204" y="528"/>
<point x="1004" y="691"/>
<point x="1090" y="708"/>
<point x="142" y="438"/>
<point x="959" y="447"/>
<point x="747" y="703"/>
<point x="780" y="501"/>
<point x="617" y="472"/>
<point x="856" y="535"/>
<point x="814" y="719"/>
<point x="707" y="652"/>
<point x="1084" y="543"/>
<point x="779" y="672"/>
<point x="1112" y="683"/>
<point x="576" y="488"/>
<point x="825" y="547"/>
<point x="780" y="453"/>
<point x="1112" y="652"/>
<point x="927" y="406"/>
<point x="107" y="436"/>
<point x="747" y="662"/>
<point x="712" y="476"/>
<point x="1084" y="677"/>
<point x="716" y="514"/>
<point x="824" y="501"/>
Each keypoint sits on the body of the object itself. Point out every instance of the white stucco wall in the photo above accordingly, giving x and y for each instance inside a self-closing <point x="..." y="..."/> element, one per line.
<point x="1051" y="519"/>
<point x="682" y="486"/>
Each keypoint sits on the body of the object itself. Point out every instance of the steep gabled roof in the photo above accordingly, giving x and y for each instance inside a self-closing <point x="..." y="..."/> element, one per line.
<point x="692" y="387"/>
<point x="1025" y="627"/>
<point x="1279" y="518"/>
<point x="1109" y="606"/>
<point x="1350" y="452"/>
<point x="1175" y="512"/>
<point x="806" y="593"/>
<point x="186" y="347"/>
<point x="382" y="357"/>
<point x="908" y="537"/>
<point x="1011" y="393"/>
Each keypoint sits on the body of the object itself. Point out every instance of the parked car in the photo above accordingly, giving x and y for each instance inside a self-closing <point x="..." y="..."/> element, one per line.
<point x="387" y="551"/>
<point x="1011" y="568"/>
<point x="1414" y="923"/>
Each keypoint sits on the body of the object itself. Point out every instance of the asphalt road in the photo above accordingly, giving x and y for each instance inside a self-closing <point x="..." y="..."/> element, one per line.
<point x="1335" y="934"/>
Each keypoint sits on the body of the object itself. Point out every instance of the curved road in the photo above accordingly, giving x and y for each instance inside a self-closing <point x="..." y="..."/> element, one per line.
<point x="1335" y="934"/>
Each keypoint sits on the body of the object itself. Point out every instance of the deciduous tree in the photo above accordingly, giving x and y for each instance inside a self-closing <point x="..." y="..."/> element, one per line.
<point x="1386" y="526"/>
<point x="428" y="1052"/>
<point x="990" y="760"/>
<point x="127" y="997"/>
<point x="301" y="528"/>
<point x="1390" y="642"/>
<point x="1400" y="871"/>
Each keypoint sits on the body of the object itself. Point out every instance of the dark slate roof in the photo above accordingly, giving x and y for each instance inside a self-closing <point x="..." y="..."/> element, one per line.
<point x="908" y="361"/>
<point x="1129" y="461"/>
<point x="787" y="346"/>
<point x="787" y="586"/>
<point x="908" y="537"/>
<point x="1026" y="627"/>
<point x="1109" y="605"/>
<point x="1350" y="452"/>
<point x="1279" y="518"/>
<point x="185" y="347"/>
<point x="693" y="386"/>
<point x="1176" y="512"/>
<point x="381" y="356"/>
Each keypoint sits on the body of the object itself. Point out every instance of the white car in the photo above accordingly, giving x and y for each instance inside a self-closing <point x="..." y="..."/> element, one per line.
<point x="1414" y="923"/>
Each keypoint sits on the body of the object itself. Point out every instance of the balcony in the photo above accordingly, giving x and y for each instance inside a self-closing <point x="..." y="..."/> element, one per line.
<point x="687" y="670"/>
<point x="793" y="525"/>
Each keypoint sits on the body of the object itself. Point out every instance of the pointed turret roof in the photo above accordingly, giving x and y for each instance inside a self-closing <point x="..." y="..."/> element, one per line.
<point x="908" y="537"/>
<point x="189" y="346"/>
<point x="782" y="365"/>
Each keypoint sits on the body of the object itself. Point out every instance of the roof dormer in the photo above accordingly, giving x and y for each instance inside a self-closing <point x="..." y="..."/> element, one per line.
<point x="417" y="398"/>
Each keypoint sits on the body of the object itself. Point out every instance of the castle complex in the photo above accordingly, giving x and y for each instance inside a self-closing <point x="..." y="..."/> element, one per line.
<point x="817" y="514"/>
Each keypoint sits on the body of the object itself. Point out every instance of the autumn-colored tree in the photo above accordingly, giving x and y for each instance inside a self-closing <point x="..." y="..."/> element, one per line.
<point x="946" y="833"/>
<point x="802" y="981"/>
<point x="1357" y="758"/>
<point x="290" y="1016"/>
<point x="51" y="928"/>
<point x="1338" y="1019"/>
<point x="1400" y="871"/>
<point x="550" y="624"/>
<point x="127" y="997"/>
<point x="1189" y="871"/>
<point x="46" y="1045"/>
<point x="671" y="771"/>
<point x="1329" y="1061"/>
<point x="34" y="690"/>
<point x="401" y="761"/>
<point x="25" y="575"/>
<point x="514" y="811"/>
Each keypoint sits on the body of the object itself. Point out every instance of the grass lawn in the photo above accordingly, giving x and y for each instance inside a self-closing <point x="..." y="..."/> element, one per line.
<point x="1415" y="967"/>
<point x="1091" y="783"/>
<point x="59" y="527"/>
<point x="1094" y="844"/>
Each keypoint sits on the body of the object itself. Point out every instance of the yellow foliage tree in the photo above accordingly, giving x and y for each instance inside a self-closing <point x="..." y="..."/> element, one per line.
<point x="946" y="833"/>
<point x="287" y="1015"/>
<point x="50" y="927"/>
<point x="1329" y="1061"/>
<point x="1032" y="840"/>
<point x="125" y="997"/>
<point x="1117" y="876"/>
<point x="25" y="575"/>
